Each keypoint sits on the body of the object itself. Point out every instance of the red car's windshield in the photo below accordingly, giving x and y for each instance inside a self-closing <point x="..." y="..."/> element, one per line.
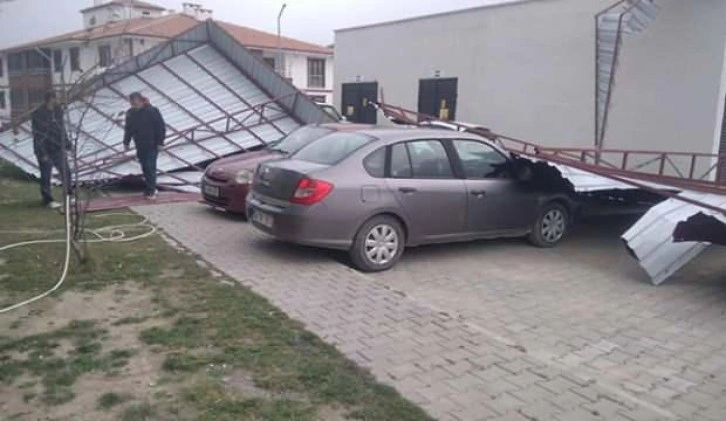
<point x="299" y="138"/>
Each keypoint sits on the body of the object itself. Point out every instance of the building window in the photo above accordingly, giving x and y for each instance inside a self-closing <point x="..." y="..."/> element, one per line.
<point x="3" y="104"/>
<point x="38" y="60"/>
<point x="2" y="68"/>
<point x="270" y="61"/>
<point x="316" y="73"/>
<point x="75" y="54"/>
<point x="18" y="99"/>
<point x="129" y="46"/>
<point x="16" y="63"/>
<point x="58" y="61"/>
<point x="256" y="52"/>
<point x="104" y="55"/>
<point x="146" y="13"/>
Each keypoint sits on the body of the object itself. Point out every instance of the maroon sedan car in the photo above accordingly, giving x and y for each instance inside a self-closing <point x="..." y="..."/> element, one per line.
<point x="226" y="181"/>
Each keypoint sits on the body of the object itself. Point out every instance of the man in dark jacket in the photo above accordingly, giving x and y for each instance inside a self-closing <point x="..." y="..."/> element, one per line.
<point x="145" y="125"/>
<point x="50" y="144"/>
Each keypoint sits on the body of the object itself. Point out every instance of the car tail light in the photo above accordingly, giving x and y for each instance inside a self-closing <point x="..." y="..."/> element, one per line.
<point x="309" y="191"/>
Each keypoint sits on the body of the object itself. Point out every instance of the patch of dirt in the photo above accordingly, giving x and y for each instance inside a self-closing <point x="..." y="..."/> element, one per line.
<point x="140" y="378"/>
<point x="329" y="413"/>
<point x="238" y="382"/>
<point x="103" y="306"/>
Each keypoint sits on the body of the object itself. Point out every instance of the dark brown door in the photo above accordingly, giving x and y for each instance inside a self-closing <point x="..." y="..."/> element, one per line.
<point x="356" y="102"/>
<point x="437" y="97"/>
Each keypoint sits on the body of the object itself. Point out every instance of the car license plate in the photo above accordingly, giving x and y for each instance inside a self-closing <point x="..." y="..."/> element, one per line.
<point x="211" y="191"/>
<point x="263" y="219"/>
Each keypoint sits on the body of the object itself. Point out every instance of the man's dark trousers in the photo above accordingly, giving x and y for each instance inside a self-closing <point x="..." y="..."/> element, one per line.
<point x="46" y="162"/>
<point x="147" y="157"/>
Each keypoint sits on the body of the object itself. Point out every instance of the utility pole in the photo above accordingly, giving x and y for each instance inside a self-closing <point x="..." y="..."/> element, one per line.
<point x="278" y="62"/>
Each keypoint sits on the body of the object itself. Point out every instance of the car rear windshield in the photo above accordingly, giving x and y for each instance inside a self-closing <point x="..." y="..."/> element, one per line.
<point x="331" y="149"/>
<point x="299" y="138"/>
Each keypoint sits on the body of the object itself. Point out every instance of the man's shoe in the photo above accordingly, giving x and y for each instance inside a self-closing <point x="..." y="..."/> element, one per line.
<point x="54" y="205"/>
<point x="151" y="196"/>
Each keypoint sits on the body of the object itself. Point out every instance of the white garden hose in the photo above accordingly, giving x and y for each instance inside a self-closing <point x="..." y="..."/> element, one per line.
<point x="107" y="234"/>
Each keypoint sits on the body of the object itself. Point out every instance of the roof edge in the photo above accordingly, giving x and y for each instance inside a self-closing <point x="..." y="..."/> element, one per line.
<point x="265" y="48"/>
<point x="436" y="15"/>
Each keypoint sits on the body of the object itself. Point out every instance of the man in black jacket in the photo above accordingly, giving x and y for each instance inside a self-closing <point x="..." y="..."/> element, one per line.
<point x="145" y="125"/>
<point x="50" y="144"/>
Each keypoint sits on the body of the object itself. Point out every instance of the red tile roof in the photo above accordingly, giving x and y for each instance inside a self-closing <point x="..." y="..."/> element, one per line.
<point x="162" y="27"/>
<point x="257" y="39"/>
<point x="132" y="3"/>
<point x="172" y="25"/>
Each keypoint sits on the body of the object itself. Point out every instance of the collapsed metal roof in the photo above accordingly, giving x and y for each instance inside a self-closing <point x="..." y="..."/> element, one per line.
<point x="216" y="98"/>
<point x="667" y="237"/>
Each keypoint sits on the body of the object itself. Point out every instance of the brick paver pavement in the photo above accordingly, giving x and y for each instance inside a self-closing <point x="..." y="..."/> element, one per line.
<point x="497" y="330"/>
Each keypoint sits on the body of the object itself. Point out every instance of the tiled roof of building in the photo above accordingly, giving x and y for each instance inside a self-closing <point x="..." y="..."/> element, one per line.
<point x="162" y="27"/>
<point x="253" y="38"/>
<point x="132" y="3"/>
<point x="169" y="27"/>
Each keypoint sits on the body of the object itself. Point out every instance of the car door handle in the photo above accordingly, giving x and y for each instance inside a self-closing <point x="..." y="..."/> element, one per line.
<point x="479" y="193"/>
<point x="407" y="190"/>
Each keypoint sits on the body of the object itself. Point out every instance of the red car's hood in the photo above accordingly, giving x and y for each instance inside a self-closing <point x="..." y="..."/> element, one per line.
<point x="247" y="160"/>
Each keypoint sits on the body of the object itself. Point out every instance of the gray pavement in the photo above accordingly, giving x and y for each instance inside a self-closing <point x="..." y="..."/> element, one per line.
<point x="498" y="329"/>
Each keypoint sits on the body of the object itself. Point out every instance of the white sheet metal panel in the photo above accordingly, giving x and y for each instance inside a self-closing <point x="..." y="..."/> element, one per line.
<point x="651" y="238"/>
<point x="191" y="94"/>
<point x="585" y="182"/>
<point x="186" y="181"/>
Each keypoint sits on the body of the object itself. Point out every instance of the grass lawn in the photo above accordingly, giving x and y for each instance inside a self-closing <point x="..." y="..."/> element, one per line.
<point x="143" y="332"/>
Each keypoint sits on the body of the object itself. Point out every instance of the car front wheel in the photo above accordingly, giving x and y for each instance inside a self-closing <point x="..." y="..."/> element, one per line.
<point x="551" y="226"/>
<point x="378" y="245"/>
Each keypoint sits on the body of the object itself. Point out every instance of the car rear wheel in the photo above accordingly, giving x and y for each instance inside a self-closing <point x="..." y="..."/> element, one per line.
<point x="551" y="226"/>
<point x="378" y="245"/>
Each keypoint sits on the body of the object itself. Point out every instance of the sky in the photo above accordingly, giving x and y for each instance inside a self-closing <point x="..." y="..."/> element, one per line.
<point x="309" y="20"/>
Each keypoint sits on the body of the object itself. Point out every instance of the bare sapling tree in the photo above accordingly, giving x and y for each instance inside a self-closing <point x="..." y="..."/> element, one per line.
<point x="79" y="97"/>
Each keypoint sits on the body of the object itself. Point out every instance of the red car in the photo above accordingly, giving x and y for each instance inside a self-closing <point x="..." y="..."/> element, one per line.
<point x="226" y="181"/>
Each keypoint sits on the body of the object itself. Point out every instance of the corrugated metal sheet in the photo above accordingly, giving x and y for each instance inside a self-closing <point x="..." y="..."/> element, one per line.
<point x="184" y="181"/>
<point x="651" y="238"/>
<point x="271" y="82"/>
<point x="216" y="98"/>
<point x="585" y="182"/>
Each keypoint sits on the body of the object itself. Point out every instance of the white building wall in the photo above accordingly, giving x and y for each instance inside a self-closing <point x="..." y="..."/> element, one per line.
<point x="668" y="88"/>
<point x="296" y="67"/>
<point x="114" y="13"/>
<point x="527" y="70"/>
